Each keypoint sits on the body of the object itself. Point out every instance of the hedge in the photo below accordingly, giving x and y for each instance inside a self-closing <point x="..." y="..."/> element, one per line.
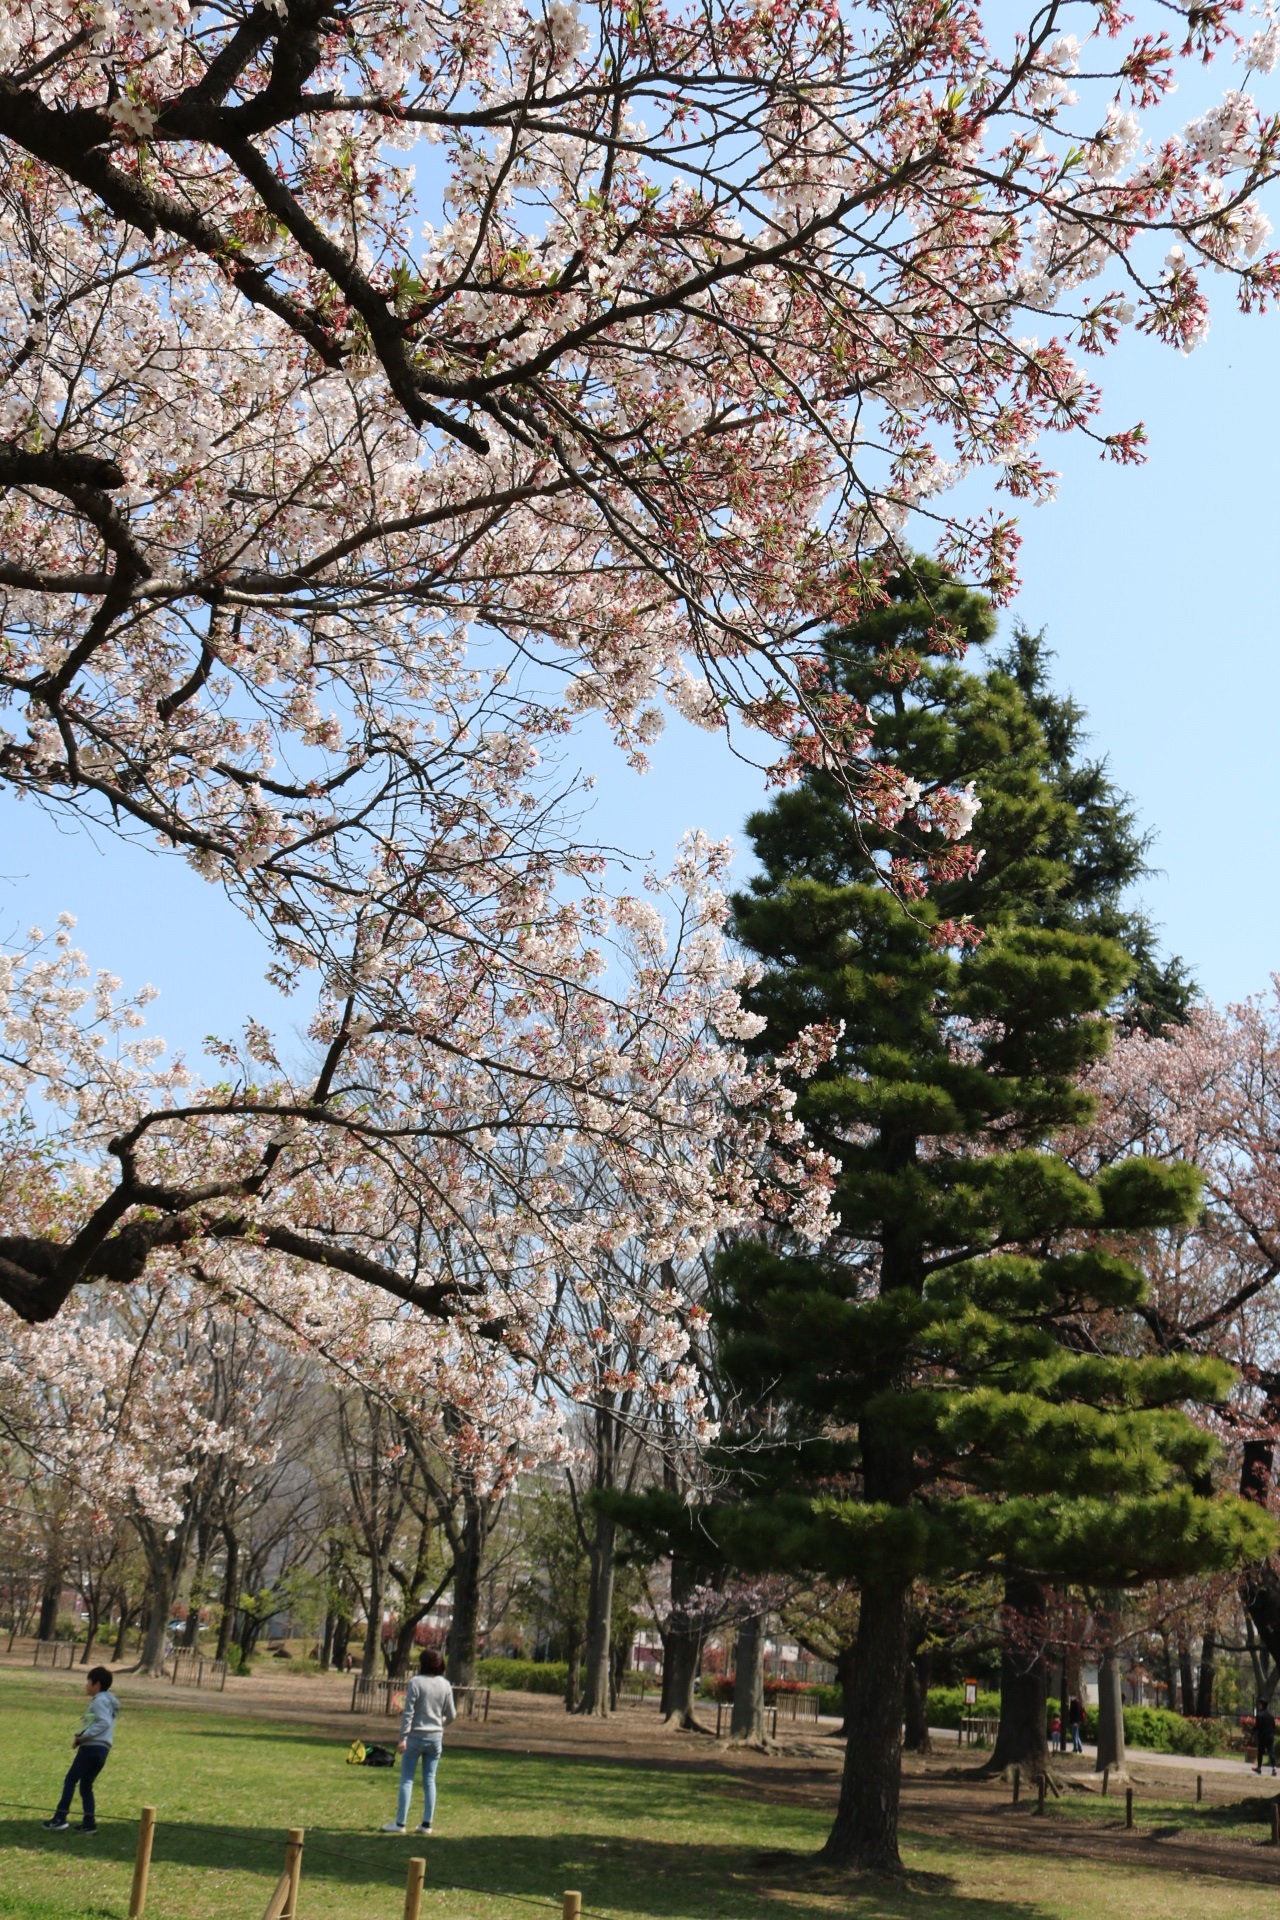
<point x="946" y="1705"/>
<point x="524" y="1676"/>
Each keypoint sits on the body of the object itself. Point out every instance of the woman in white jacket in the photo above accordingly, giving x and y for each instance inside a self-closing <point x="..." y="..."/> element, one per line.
<point x="428" y="1709"/>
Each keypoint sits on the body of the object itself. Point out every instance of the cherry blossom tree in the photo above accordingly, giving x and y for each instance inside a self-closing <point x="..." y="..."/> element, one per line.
<point x="1209" y="1093"/>
<point x="629" y="336"/>
<point x="432" y="1168"/>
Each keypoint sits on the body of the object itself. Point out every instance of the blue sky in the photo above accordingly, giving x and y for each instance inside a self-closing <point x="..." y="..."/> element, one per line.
<point x="1159" y="591"/>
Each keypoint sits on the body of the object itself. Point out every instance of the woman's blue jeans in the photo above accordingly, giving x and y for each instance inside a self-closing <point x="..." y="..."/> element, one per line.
<point x="424" y="1747"/>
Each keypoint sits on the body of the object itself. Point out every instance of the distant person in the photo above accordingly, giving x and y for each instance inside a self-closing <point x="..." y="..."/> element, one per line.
<point x="93" y="1750"/>
<point x="1075" y="1719"/>
<point x="1264" y="1733"/>
<point x="428" y="1709"/>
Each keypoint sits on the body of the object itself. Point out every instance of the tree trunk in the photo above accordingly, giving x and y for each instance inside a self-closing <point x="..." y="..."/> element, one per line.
<point x="1186" y="1676"/>
<point x="595" y="1693"/>
<point x="1022" y="1740"/>
<point x="341" y="1635"/>
<point x="230" y="1593"/>
<point x="681" y="1650"/>
<point x="191" y="1628"/>
<point x="127" y="1614"/>
<point x="865" y="1833"/>
<point x="746" y="1723"/>
<point x="682" y="1647"/>
<point x="617" y="1668"/>
<point x="50" y="1595"/>
<point x="846" y="1664"/>
<point x="1208" y="1664"/>
<point x="460" y="1647"/>
<point x="1110" y="1714"/>
<point x="373" y="1619"/>
<point x="573" y="1669"/>
<point x="326" y="1643"/>
<point x="163" y="1583"/>
<point x="91" y="1634"/>
<point x="916" y="1737"/>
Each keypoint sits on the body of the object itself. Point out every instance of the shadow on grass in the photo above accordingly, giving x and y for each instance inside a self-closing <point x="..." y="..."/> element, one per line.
<point x="617" y="1876"/>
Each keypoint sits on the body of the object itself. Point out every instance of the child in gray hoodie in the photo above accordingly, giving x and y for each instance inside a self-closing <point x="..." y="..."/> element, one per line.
<point x="93" y="1750"/>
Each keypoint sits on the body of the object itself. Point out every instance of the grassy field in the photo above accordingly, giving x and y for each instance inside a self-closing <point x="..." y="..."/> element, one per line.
<point x="513" y="1831"/>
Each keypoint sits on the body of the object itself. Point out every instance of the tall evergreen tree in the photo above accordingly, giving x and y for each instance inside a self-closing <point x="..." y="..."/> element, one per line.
<point x="1099" y="844"/>
<point x="929" y="1392"/>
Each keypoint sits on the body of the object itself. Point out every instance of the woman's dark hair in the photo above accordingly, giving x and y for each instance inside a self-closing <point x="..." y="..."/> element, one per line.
<point x="100" y="1677"/>
<point x="432" y="1661"/>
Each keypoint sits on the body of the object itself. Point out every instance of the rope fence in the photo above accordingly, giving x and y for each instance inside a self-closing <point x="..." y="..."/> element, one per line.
<point x="282" y="1904"/>
<point x="372" y="1695"/>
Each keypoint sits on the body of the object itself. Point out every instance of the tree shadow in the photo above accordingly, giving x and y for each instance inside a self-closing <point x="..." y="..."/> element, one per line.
<point x="667" y="1879"/>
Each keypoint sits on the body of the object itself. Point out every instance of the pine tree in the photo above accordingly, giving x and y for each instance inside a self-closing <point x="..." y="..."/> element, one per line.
<point x="929" y="1393"/>
<point x="1101" y="845"/>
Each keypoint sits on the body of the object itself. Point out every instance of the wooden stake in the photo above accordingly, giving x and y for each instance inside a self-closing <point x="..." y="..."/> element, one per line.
<point x="1106" y="1781"/>
<point x="1128" y="1806"/>
<point x="413" y="1889"/>
<point x="293" y="1867"/>
<point x="1199" y="1786"/>
<point x="1040" y="1795"/>
<point x="279" y="1897"/>
<point x="1017" y="1784"/>
<point x="1275" y="1823"/>
<point x="142" y="1863"/>
<point x="573" y="1906"/>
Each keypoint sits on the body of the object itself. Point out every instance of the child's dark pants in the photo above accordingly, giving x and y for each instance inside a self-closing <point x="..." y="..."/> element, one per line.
<point x="82" y="1773"/>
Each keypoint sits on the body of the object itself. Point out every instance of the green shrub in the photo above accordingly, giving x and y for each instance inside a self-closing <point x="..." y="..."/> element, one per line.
<point x="946" y="1705"/>
<point x="524" y="1676"/>
<point x="1163" y="1732"/>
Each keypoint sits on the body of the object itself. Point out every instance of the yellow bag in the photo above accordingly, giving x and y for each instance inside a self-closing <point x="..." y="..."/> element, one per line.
<point x="355" y="1753"/>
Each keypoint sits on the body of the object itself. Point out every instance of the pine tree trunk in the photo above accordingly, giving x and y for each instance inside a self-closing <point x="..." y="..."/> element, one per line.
<point x="1024" y="1682"/>
<point x="1208" y="1665"/>
<point x="1110" y="1714"/>
<point x="595" y="1693"/>
<point x="746" y="1723"/>
<point x="682" y="1647"/>
<point x="865" y="1833"/>
<point x="681" y="1650"/>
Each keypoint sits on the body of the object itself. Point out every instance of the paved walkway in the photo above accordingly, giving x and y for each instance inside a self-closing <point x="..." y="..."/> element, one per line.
<point x="1232" y="1763"/>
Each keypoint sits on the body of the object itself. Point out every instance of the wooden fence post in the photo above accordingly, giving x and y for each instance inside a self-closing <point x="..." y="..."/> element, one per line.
<point x="572" y="1906"/>
<point x="1128" y="1806"/>
<point x="1106" y="1781"/>
<point x="293" y="1867"/>
<point x="1017" y="1784"/>
<point x="142" y="1863"/>
<point x="1040" y="1794"/>
<point x="1275" y="1823"/>
<point x="413" y="1889"/>
<point x="1199" y="1786"/>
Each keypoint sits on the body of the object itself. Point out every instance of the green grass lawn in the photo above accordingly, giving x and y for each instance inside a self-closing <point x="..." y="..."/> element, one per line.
<point x="512" y="1832"/>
